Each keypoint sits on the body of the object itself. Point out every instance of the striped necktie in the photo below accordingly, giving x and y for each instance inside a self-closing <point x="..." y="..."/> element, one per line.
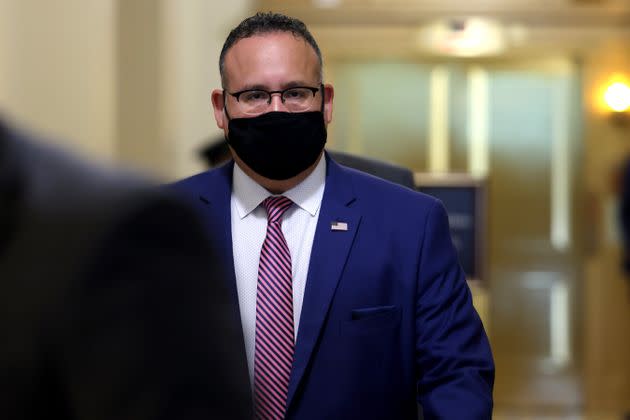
<point x="274" y="343"/>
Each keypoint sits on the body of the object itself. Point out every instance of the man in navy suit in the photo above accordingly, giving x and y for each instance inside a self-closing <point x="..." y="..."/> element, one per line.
<point x="377" y="309"/>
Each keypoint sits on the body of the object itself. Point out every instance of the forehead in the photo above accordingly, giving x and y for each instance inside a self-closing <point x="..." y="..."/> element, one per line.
<point x="271" y="60"/>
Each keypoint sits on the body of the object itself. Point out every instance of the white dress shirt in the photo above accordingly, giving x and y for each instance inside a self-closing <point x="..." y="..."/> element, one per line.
<point x="249" y="227"/>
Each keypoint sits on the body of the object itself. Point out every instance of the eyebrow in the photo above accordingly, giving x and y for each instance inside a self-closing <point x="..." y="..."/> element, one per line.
<point x="289" y="85"/>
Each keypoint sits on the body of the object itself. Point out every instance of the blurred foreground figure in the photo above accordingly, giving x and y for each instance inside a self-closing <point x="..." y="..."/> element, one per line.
<point x="624" y="214"/>
<point x="110" y="306"/>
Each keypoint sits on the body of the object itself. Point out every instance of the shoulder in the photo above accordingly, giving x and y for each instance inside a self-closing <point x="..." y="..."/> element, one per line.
<point x="385" y="205"/>
<point x="55" y="185"/>
<point x="65" y="211"/>
<point x="212" y="185"/>
<point x="204" y="181"/>
<point x="382" y="169"/>
<point x="193" y="182"/>
<point x="381" y="193"/>
<point x="55" y="177"/>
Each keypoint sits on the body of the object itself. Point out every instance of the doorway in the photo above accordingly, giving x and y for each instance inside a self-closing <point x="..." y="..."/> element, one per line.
<point x="516" y="124"/>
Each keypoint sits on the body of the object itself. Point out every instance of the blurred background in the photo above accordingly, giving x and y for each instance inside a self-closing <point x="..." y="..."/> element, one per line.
<point x="513" y="93"/>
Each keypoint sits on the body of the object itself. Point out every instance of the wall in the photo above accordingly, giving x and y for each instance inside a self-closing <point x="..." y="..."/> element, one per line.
<point x="117" y="80"/>
<point x="57" y="70"/>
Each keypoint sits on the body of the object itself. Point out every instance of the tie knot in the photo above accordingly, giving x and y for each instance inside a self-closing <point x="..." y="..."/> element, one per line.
<point x="276" y="206"/>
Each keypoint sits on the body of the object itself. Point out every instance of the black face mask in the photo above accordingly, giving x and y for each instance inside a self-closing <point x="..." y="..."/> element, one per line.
<point x="278" y="145"/>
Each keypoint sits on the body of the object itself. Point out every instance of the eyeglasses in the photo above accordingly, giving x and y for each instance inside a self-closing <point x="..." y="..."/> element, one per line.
<point x="295" y="99"/>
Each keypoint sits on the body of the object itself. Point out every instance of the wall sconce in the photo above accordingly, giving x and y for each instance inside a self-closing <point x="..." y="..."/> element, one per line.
<point x="617" y="98"/>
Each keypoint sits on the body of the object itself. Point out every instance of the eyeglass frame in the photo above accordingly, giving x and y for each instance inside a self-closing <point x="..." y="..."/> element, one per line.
<point x="236" y="95"/>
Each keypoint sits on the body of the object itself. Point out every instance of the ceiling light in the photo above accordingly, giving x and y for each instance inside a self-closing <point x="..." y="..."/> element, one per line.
<point x="463" y="37"/>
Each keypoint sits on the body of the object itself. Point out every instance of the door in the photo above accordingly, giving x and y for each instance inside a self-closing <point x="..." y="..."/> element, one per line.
<point x="514" y="123"/>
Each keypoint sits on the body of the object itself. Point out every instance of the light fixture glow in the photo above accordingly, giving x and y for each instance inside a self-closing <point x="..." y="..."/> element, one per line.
<point x="617" y="97"/>
<point x="326" y="4"/>
<point x="463" y="37"/>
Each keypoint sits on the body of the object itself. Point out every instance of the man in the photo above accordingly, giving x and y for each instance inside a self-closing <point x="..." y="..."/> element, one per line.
<point x="352" y="301"/>
<point x="110" y="307"/>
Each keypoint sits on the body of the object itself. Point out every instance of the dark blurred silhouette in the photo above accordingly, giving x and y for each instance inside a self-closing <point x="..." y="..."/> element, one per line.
<point x="378" y="168"/>
<point x="624" y="214"/>
<point x="217" y="152"/>
<point x="112" y="305"/>
<point x="623" y="187"/>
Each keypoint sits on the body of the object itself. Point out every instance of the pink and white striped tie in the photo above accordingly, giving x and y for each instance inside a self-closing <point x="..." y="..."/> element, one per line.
<point x="274" y="346"/>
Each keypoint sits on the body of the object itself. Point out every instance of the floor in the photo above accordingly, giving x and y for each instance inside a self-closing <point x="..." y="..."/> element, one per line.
<point x="550" y="415"/>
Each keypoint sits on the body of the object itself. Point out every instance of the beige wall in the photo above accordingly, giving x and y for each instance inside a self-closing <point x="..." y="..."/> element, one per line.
<point x="57" y="62"/>
<point x="194" y="32"/>
<point x="123" y="80"/>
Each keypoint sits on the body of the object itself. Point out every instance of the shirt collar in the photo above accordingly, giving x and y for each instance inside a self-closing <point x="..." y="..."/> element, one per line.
<point x="307" y="194"/>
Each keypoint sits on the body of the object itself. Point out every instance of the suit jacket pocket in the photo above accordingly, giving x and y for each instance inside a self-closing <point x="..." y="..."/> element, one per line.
<point x="372" y="320"/>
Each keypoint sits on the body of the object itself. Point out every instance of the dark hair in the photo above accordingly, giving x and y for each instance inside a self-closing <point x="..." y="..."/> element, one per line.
<point x="264" y="23"/>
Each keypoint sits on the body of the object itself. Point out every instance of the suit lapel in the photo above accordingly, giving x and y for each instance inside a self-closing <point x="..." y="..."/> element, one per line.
<point x="328" y="257"/>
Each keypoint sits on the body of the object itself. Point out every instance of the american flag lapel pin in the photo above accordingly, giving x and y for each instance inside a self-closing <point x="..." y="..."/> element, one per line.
<point x="340" y="226"/>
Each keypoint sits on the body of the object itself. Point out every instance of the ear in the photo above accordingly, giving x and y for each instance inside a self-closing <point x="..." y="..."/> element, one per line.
<point x="218" y="104"/>
<point x="329" y="94"/>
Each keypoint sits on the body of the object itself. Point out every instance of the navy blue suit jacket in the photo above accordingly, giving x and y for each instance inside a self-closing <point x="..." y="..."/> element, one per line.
<point x="387" y="319"/>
